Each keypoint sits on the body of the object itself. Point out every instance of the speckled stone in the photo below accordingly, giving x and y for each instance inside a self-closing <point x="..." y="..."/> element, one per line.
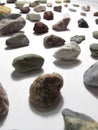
<point x="48" y="15"/>
<point x="82" y="23"/>
<point x="45" y="90"/>
<point x="94" y="49"/>
<point x="78" y="121"/>
<point x="95" y="34"/>
<point x="5" y="9"/>
<point x="9" y="16"/>
<point x="90" y="77"/>
<point x="77" y="38"/>
<point x="35" y="3"/>
<point x="40" y="8"/>
<point x="85" y="8"/>
<point x="57" y="8"/>
<point x="33" y="17"/>
<point x="25" y="10"/>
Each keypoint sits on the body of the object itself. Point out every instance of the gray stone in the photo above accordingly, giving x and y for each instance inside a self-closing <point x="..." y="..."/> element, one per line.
<point x="78" y="121"/>
<point x="25" y="9"/>
<point x="86" y="8"/>
<point x="9" y="16"/>
<point x="57" y="8"/>
<point x="94" y="49"/>
<point x="72" y="10"/>
<point x="34" y="3"/>
<point x="49" y="4"/>
<point x="90" y="76"/>
<point x="77" y="38"/>
<point x="33" y="17"/>
<point x="95" y="34"/>
<point x="17" y="40"/>
<point x="40" y="8"/>
<point x="43" y="1"/>
<point x="9" y="26"/>
<point x="19" y="4"/>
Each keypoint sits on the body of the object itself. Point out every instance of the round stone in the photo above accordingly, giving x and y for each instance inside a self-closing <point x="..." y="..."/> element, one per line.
<point x="94" y="49"/>
<point x="48" y="15"/>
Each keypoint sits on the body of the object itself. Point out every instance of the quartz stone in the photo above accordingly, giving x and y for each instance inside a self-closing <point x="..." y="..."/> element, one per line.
<point x="40" y="8"/>
<point x="33" y="17"/>
<point x="82" y="23"/>
<point x="9" y="16"/>
<point x="77" y="38"/>
<point x="57" y="8"/>
<point x="94" y="49"/>
<point x="5" y="9"/>
<point x="48" y="15"/>
<point x="95" y="34"/>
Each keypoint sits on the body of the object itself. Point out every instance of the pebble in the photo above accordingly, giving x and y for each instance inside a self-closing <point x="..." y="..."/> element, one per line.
<point x="33" y="17"/>
<point x="66" y="1"/>
<point x="9" y="26"/>
<point x="95" y="13"/>
<point x="69" y="51"/>
<point x="78" y="121"/>
<point x="33" y="4"/>
<point x="77" y="38"/>
<point x="53" y="41"/>
<point x="9" y="16"/>
<point x="5" y="9"/>
<point x="82" y="23"/>
<point x="90" y="76"/>
<point x="49" y="4"/>
<point x="11" y="1"/>
<point x="19" y="4"/>
<point x="17" y="40"/>
<point x="95" y="34"/>
<point x="96" y="21"/>
<point x="48" y="15"/>
<point x="43" y="1"/>
<point x="28" y="62"/>
<point x="40" y="8"/>
<point x="75" y="5"/>
<point x="83" y="13"/>
<point x="58" y="1"/>
<point x="45" y="90"/>
<point x="85" y="8"/>
<point x="72" y="10"/>
<point x="94" y="49"/>
<point x="25" y="10"/>
<point x="57" y="8"/>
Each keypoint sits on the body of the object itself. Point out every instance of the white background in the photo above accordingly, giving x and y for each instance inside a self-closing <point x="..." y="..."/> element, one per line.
<point x="75" y="95"/>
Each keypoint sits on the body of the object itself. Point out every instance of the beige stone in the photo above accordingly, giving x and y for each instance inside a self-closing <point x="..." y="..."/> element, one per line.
<point x="5" y="10"/>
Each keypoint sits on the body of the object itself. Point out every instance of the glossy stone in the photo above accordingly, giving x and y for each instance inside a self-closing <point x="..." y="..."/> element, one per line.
<point x="77" y="38"/>
<point x="33" y="17"/>
<point x="82" y="23"/>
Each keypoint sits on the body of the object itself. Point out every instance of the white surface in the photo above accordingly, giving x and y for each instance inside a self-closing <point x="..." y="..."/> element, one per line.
<point x="75" y="95"/>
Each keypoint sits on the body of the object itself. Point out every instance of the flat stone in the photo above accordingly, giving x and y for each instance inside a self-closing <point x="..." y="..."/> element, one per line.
<point x="94" y="49"/>
<point x="25" y="10"/>
<point x="19" y="4"/>
<point x="78" y="121"/>
<point x="69" y="51"/>
<point x="78" y="38"/>
<point x="66" y="1"/>
<point x="9" y="26"/>
<point x="40" y="8"/>
<point x="57" y="8"/>
<point x="82" y="23"/>
<point x="45" y="90"/>
<point x="5" y="9"/>
<point x="11" y="1"/>
<point x="72" y="10"/>
<point x="17" y="40"/>
<point x="33" y="17"/>
<point x="35" y="3"/>
<point x="53" y="41"/>
<point x="43" y="1"/>
<point x="85" y="8"/>
<point x="9" y="16"/>
<point x="28" y="62"/>
<point x="61" y="25"/>
<point x="95" y="34"/>
<point x="48" y="15"/>
<point x="90" y="76"/>
<point x="75" y="5"/>
<point x="58" y="1"/>
<point x="95" y="13"/>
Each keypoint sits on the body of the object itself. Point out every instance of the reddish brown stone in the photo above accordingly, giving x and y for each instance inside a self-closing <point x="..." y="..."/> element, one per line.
<point x="96" y="14"/>
<point x="48" y="15"/>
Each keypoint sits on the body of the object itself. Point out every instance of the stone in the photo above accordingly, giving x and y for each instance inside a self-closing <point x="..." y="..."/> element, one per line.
<point x="69" y="51"/>
<point x="66" y="1"/>
<point x="57" y="8"/>
<point x="48" y="15"/>
<point x="94" y="49"/>
<point x="28" y="62"/>
<point x="4" y="102"/>
<point x="19" y="4"/>
<point x="82" y="23"/>
<point x="5" y="9"/>
<point x="76" y="5"/>
<point x="90" y="77"/>
<point x="40" y="28"/>
<point x="11" y="1"/>
<point x="49" y="4"/>
<point x="83" y="13"/>
<point x="95" y="13"/>
<point x="96" y="21"/>
<point x="33" y="17"/>
<point x="61" y="25"/>
<point x="72" y="10"/>
<point x="85" y="8"/>
<point x="78" y="121"/>
<point x="43" y="1"/>
<point x="1" y="3"/>
<point x="45" y="90"/>
<point x="34" y="3"/>
<point x="9" y="26"/>
<point x="9" y="16"/>
<point x="40" y="8"/>
<point x="25" y="10"/>
<point x="77" y="38"/>
<point x="95" y="34"/>
<point x="17" y="40"/>
<point x="58" y="1"/>
<point x="53" y="41"/>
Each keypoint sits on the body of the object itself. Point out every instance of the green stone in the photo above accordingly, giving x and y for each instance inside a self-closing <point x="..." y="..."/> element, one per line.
<point x="28" y="62"/>
<point x="43" y="1"/>
<point x="94" y="49"/>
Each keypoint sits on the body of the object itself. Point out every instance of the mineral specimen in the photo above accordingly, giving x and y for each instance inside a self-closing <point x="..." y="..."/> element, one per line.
<point x="28" y="62"/>
<point x="40" y="8"/>
<point x="48" y="15"/>
<point x="82" y="23"/>
<point x="86" y="8"/>
<point x="77" y="38"/>
<point x="33" y="17"/>
<point x="4" y="9"/>
<point x="57" y="8"/>
<point x="94" y="49"/>
<point x="25" y="9"/>
<point x="95" y="34"/>
<point x="45" y="90"/>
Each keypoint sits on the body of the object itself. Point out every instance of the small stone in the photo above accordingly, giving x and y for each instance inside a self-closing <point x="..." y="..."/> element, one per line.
<point x="95" y="13"/>
<point x="17" y="40"/>
<point x="5" y="9"/>
<point x="65" y="5"/>
<point x="45" y="90"/>
<point x="86" y="8"/>
<point x="28" y="62"/>
<point x="95" y="34"/>
<point x="19" y="4"/>
<point x="9" y="16"/>
<point x="40" y="8"/>
<point x="33" y="17"/>
<point x="82" y="23"/>
<point x="94" y="49"/>
<point x="78" y="121"/>
<point x="33" y="4"/>
<point x="53" y="41"/>
<point x="43" y="1"/>
<point x="72" y="10"/>
<point x="90" y="77"/>
<point x="77" y="38"/>
<point x="83" y="13"/>
<point x="57" y="8"/>
<point x="61" y="25"/>
<point x="96" y="21"/>
<point x="48" y="15"/>
<point x="25" y="9"/>
<point x="40" y="28"/>
<point x="11" y="1"/>
<point x="49" y="4"/>
<point x="66" y="1"/>
<point x="1" y="3"/>
<point x="58" y="1"/>
<point x="75" y="5"/>
<point x="69" y="51"/>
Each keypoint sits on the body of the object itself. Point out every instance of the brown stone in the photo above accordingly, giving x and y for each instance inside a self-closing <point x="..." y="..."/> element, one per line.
<point x="96" y="21"/>
<point x="96" y="14"/>
<point x="25" y="9"/>
<point x="58" y="8"/>
<point x="48" y="15"/>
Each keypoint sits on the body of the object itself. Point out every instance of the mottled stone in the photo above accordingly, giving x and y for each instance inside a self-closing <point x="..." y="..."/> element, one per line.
<point x="48" y="15"/>
<point x="11" y="1"/>
<point x="25" y="10"/>
<point x="49" y="4"/>
<point x="4" y="102"/>
<point x="45" y="90"/>
<point x="66" y="1"/>
<point x="33" y="17"/>
<point x="95" y="13"/>
<point x="17" y="40"/>
<point x="61" y="25"/>
<point x="43" y="1"/>
<point x="40" y="8"/>
<point x="9" y="16"/>
<point x="9" y="26"/>
<point x="58" y="1"/>
<point x="19" y="4"/>
<point x="94" y="49"/>
<point x="82" y="23"/>
<point x="90" y="76"/>
<point x="34" y="3"/>
<point x="5" y="9"/>
<point x="86" y="8"/>
<point x="69" y="51"/>
<point x="78" y="121"/>
<point x="77" y="38"/>
<point x="53" y="41"/>
<point x="96" y="21"/>
<point x="95" y="34"/>
<point x="40" y="28"/>
<point x="57" y="8"/>
<point x="28" y="62"/>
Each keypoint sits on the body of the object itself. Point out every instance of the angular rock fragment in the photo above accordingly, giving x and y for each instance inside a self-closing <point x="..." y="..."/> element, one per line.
<point x="9" y="26"/>
<point x="45" y="90"/>
<point x="69" y="51"/>
<point x="9" y="16"/>
<point x="86" y="8"/>
<point x="82" y="23"/>
<point x="5" y="9"/>
<point x="77" y="38"/>
<point x="95" y="13"/>
<point x="90" y="77"/>
<point x="11" y="1"/>
<point x="28" y="62"/>
<point x="95" y="34"/>
<point x="48" y="15"/>
<point x="78" y="121"/>
<point x="53" y="41"/>
<point x="61" y="25"/>
<point x="40" y="8"/>
<point x="94" y="49"/>
<point x="25" y="10"/>
<point x="40" y="28"/>
<point x="57" y="8"/>
<point x="33" y="17"/>
<point x="34" y="3"/>
<point x="17" y="40"/>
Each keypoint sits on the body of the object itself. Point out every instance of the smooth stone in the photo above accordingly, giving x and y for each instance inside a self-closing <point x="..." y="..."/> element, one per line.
<point x="5" y="9"/>
<point x="40" y="8"/>
<point x="83" y="13"/>
<point x="9" y="16"/>
<point x="61" y="25"/>
<point x="48" y="15"/>
<point x="33" y="4"/>
<point x="75" y="5"/>
<point x="45" y="90"/>
<point x="17" y="40"/>
<point x="72" y="10"/>
<point x="25" y="10"/>
<point x="78" y="121"/>
<point x="11" y="1"/>
<point x="33" y="17"/>
<point x="85" y="8"/>
<point x="53" y="41"/>
<point x="95" y="34"/>
<point x="69" y="51"/>
<point x="28" y="62"/>
<point x="43" y="1"/>
<point x="94" y="49"/>
<point x="78" y="38"/>
<point x="19" y="4"/>
<point x="58" y="1"/>
<point x="95" y="13"/>
<point x="9" y="26"/>
<point x="82" y="23"/>
<point x="49" y="4"/>
<point x="66" y="1"/>
<point x="57" y="8"/>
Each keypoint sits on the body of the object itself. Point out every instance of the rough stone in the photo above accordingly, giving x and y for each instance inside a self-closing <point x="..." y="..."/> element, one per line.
<point x="53" y="41"/>
<point x="78" y="121"/>
<point x="28" y="62"/>
<point x="33" y="17"/>
<point x="5" y="9"/>
<point x="95" y="34"/>
<point x="9" y="16"/>
<point x="77" y="38"/>
<point x="40" y="8"/>
<point x="83" y="13"/>
<point x="69" y="51"/>
<point x="57" y="8"/>
<point x="94" y="49"/>
<point x="33" y="4"/>
<point x="11" y="1"/>
<point x="82" y="23"/>
<point x="48" y="15"/>
<point x="86" y="8"/>
<point x="9" y="26"/>
<point x="45" y="90"/>
<point x="25" y="10"/>
<point x="95" y="13"/>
